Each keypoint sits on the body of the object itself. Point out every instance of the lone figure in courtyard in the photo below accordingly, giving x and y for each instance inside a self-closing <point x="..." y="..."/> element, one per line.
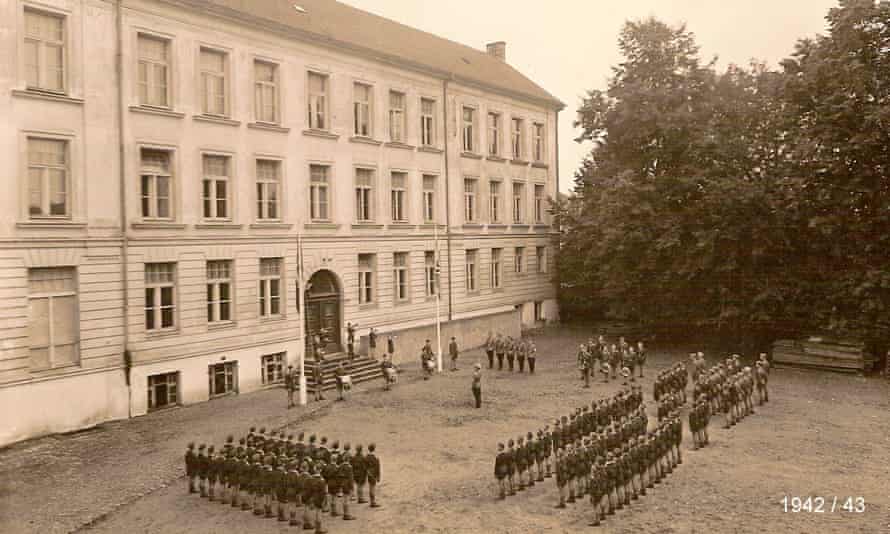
<point x="477" y="384"/>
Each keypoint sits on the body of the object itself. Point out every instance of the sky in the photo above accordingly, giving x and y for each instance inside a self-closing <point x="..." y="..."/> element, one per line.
<point x="569" y="46"/>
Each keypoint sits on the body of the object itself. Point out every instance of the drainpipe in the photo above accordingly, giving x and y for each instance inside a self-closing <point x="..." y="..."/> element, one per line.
<point x="447" y="198"/>
<point x="122" y="197"/>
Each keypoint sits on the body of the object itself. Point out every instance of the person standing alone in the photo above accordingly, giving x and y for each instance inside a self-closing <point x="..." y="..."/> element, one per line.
<point x="454" y="352"/>
<point x="477" y="384"/>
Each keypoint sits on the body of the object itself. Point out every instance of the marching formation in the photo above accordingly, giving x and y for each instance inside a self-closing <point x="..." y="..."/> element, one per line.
<point x="275" y="476"/>
<point x="610" y="359"/>
<point x="516" y="351"/>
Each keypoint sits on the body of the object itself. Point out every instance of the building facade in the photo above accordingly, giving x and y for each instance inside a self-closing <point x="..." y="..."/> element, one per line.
<point x="191" y="188"/>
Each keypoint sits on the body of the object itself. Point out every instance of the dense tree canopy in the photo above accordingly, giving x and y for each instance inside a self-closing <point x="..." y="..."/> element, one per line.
<point x="744" y="199"/>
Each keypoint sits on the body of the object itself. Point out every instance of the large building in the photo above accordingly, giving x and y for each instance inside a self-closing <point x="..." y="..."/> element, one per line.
<point x="189" y="186"/>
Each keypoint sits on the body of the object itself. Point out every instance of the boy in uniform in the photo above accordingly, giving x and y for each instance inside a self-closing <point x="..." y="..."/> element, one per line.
<point x="500" y="471"/>
<point x="373" y="474"/>
<point x="190" y="468"/>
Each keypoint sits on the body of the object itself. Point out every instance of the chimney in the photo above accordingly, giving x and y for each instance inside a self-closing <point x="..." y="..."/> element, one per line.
<point x="497" y="49"/>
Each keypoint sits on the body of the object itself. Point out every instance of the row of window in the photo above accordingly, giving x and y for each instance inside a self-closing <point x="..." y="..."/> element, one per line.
<point x="222" y="379"/>
<point x="496" y="266"/>
<point x="45" y="59"/>
<point x="49" y="186"/>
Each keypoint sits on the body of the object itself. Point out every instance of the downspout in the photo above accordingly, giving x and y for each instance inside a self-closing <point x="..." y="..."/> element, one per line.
<point x="122" y="197"/>
<point x="447" y="198"/>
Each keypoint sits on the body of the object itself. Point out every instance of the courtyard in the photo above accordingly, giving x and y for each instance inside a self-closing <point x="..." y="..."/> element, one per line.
<point x="821" y="435"/>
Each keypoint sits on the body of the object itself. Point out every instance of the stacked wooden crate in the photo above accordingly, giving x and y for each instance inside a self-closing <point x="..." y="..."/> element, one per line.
<point x="822" y="353"/>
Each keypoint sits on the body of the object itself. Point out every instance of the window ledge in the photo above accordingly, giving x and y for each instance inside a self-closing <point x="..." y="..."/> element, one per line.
<point x="160" y="334"/>
<point x="430" y="150"/>
<point x="272" y="318"/>
<point x="164" y="112"/>
<point x="520" y="226"/>
<point x="321" y="226"/>
<point x="155" y="225"/>
<point x="539" y="165"/>
<point x="470" y="155"/>
<point x="429" y="226"/>
<point x="497" y="226"/>
<point x="365" y="140"/>
<point x="271" y="226"/>
<point x="218" y="226"/>
<point x="542" y="226"/>
<point x="50" y="223"/>
<point x="368" y="226"/>
<point x="401" y="226"/>
<point x="398" y="144"/>
<point x="520" y="162"/>
<point x="324" y="134"/>
<point x="473" y="225"/>
<point x="369" y="306"/>
<point x="221" y="325"/>
<point x="495" y="158"/>
<point x="46" y="95"/>
<point x="269" y="127"/>
<point x="216" y="120"/>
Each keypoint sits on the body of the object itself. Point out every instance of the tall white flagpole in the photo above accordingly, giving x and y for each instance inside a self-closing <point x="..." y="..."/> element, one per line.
<point x="301" y="298"/>
<point x="438" y="320"/>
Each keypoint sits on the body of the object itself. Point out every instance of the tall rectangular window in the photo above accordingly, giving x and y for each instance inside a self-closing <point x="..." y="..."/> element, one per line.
<point x="160" y="303"/>
<point x="163" y="390"/>
<point x="469" y="129"/>
<point x="265" y="98"/>
<point x="272" y="368"/>
<point x="399" y="197"/>
<point x="219" y="291"/>
<point x="361" y="109"/>
<point x="44" y="51"/>
<point x="156" y="184"/>
<point x="270" y="287"/>
<point x="48" y="178"/>
<point x="268" y="189"/>
<point x="154" y="71"/>
<point x="517" y="138"/>
<point x="538" y="141"/>
<point x="494" y="201"/>
<point x="541" y="256"/>
<point x="518" y="201"/>
<point x="539" y="310"/>
<point x="319" y="192"/>
<point x="318" y="101"/>
<point x="400" y="276"/>
<point x="397" y="117"/>
<point x="471" y="270"/>
<point x="469" y="199"/>
<point x="496" y="268"/>
<point x="364" y="195"/>
<point x="365" y="278"/>
<point x="430" y="272"/>
<point x="53" y="326"/>
<point x="539" y="203"/>
<point x="427" y="122"/>
<point x="518" y="259"/>
<point x="494" y="134"/>
<point x="213" y="82"/>
<point x="215" y="187"/>
<point x="429" y="198"/>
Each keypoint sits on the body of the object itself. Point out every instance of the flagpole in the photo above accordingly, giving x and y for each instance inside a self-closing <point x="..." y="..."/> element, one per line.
<point x="301" y="299"/>
<point x="438" y="319"/>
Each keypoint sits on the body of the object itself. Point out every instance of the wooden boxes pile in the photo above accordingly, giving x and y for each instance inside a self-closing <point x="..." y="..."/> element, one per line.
<point x="819" y="353"/>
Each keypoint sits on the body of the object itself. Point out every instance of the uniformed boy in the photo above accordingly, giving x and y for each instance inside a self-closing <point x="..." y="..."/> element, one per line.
<point x="454" y="352"/>
<point x="346" y="482"/>
<point x="331" y="475"/>
<point x="319" y="495"/>
<point x="521" y="462"/>
<point x="499" y="349"/>
<point x="489" y="349"/>
<point x="373" y="474"/>
<point x="520" y="355"/>
<point x="511" y="353"/>
<point x="561" y="480"/>
<point x="500" y="471"/>
<point x="360" y="472"/>
<point x="190" y="468"/>
<point x="511" y="467"/>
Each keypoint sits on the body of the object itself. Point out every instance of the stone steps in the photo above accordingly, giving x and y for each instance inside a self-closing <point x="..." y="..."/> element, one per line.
<point x="361" y="369"/>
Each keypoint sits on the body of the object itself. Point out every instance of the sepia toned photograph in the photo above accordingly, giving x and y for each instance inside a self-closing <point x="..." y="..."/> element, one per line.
<point x="417" y="266"/>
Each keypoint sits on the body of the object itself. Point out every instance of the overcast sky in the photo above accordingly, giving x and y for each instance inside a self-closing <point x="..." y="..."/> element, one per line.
<point x="568" y="46"/>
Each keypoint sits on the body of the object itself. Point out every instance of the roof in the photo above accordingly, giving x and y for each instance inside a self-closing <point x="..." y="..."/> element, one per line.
<point x="329" y="22"/>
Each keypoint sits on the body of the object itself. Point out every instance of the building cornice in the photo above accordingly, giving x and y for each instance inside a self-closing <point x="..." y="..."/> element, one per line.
<point x="205" y="7"/>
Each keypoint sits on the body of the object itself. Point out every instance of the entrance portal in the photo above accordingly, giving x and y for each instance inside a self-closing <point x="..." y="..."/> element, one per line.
<point x="323" y="312"/>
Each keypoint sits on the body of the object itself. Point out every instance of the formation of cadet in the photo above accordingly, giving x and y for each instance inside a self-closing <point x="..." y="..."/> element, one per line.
<point x="613" y="359"/>
<point x="699" y="418"/>
<point x="729" y="388"/>
<point x="275" y="476"/>
<point x="668" y="404"/>
<point x="516" y="351"/>
<point x="672" y="380"/>
<point x="532" y="458"/>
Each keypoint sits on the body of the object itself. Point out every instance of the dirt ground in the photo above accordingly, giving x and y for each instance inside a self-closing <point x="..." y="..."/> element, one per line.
<point x="822" y="434"/>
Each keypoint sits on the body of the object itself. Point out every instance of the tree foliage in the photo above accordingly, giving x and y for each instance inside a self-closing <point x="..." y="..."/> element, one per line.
<point x="741" y="199"/>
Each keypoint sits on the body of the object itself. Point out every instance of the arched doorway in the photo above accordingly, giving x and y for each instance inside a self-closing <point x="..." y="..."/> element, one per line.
<point x="323" y="311"/>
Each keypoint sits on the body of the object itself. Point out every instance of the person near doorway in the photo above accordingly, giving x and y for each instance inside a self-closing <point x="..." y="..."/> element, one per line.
<point x="427" y="363"/>
<point x="289" y="385"/>
<point x="372" y="344"/>
<point x="389" y="373"/>
<point x="477" y="384"/>
<point x="318" y="378"/>
<point x="454" y="352"/>
<point x="350" y="340"/>
<point x="391" y="345"/>
<point x="344" y="381"/>
<point x="318" y="347"/>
